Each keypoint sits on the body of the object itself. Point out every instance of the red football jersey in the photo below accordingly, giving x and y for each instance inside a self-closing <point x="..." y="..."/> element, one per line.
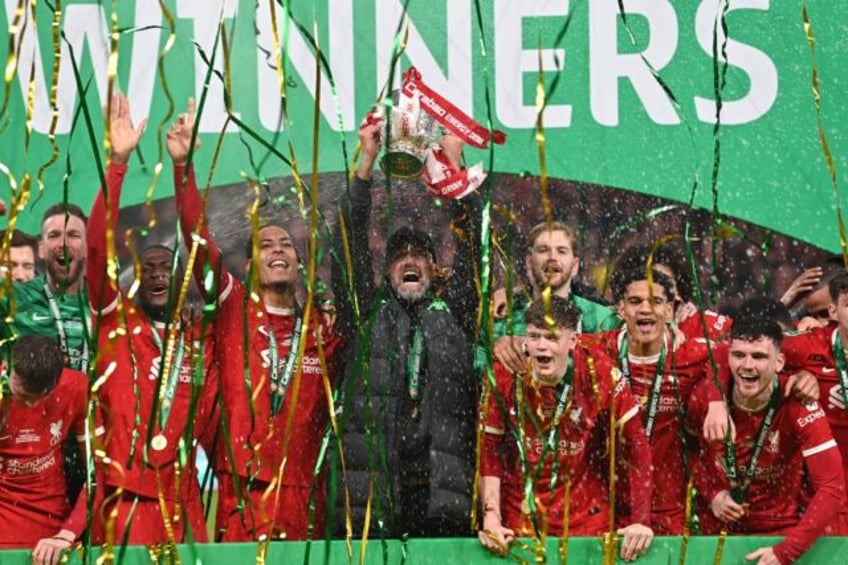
<point x="255" y="434"/>
<point x="799" y="437"/>
<point x="142" y="459"/>
<point x="718" y="325"/>
<point x="33" y="499"/>
<point x="580" y="448"/>
<point x="812" y="351"/>
<point x="682" y="370"/>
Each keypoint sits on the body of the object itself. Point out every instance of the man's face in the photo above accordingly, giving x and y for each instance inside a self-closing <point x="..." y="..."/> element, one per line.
<point x="753" y="365"/>
<point x="277" y="260"/>
<point x="22" y="261"/>
<point x="645" y="310"/>
<point x="549" y="350"/>
<point x="411" y="273"/>
<point x="839" y="312"/>
<point x="155" y="279"/>
<point x="817" y="305"/>
<point x="551" y="261"/>
<point x="62" y="247"/>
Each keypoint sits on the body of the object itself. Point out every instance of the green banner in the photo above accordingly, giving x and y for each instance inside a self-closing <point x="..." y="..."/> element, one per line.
<point x="587" y="551"/>
<point x="631" y="101"/>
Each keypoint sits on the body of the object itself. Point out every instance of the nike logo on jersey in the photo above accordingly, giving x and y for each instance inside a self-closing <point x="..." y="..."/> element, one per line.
<point x="828" y="370"/>
<point x="36" y="317"/>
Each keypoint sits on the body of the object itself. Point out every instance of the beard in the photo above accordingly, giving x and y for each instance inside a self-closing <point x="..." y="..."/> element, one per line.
<point x="556" y="280"/>
<point x="413" y="295"/>
<point x="60" y="276"/>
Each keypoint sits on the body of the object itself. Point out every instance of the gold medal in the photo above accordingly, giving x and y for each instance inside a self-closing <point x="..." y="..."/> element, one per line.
<point x="525" y="507"/>
<point x="159" y="442"/>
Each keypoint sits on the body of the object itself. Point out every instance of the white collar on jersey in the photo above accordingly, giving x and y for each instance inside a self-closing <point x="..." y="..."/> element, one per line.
<point x="279" y="311"/>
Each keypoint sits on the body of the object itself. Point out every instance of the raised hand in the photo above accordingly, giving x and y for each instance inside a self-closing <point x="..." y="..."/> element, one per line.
<point x="123" y="135"/>
<point x="179" y="136"/>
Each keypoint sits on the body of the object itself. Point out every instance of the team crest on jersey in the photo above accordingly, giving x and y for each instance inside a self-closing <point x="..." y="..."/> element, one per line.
<point x="773" y="442"/>
<point x="574" y="416"/>
<point x="56" y="432"/>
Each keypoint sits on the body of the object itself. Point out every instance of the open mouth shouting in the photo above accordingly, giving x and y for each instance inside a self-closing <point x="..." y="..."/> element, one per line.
<point x="748" y="378"/>
<point x="411" y="275"/>
<point x="158" y="290"/>
<point x="646" y="326"/>
<point x="543" y="363"/>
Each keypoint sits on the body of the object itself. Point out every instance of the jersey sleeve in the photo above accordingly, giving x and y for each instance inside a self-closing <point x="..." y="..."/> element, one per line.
<point x="708" y="475"/>
<point x="76" y="519"/>
<point x="102" y="290"/>
<point x="495" y="423"/>
<point x="192" y="220"/>
<point x="824" y="469"/>
<point x="614" y="392"/>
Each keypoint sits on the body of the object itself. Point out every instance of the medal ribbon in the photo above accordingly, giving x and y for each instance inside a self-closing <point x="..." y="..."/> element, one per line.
<point x="550" y="442"/>
<point x="413" y="364"/>
<point x="281" y="381"/>
<point x="656" y="384"/>
<point x="173" y="376"/>
<point x="737" y="490"/>
<point x="60" y="329"/>
<point x="839" y="357"/>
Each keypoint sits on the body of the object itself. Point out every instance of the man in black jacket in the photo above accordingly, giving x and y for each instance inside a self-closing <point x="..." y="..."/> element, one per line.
<point x="408" y="394"/>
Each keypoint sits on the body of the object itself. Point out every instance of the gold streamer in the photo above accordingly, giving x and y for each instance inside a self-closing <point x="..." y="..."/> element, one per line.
<point x="54" y="89"/>
<point x="828" y="157"/>
<point x="163" y="509"/>
<point x="720" y="547"/>
<point x="15" y="33"/>
<point x="160" y="130"/>
<point x="687" y="517"/>
<point x="541" y="103"/>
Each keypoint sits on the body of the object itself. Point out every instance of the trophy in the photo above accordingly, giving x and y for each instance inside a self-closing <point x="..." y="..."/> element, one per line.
<point x="418" y="112"/>
<point x="411" y="133"/>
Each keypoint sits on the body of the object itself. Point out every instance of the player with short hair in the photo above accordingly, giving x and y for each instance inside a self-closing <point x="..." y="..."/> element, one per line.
<point x="550" y="425"/>
<point x="821" y="350"/>
<point x="266" y="470"/>
<point x="754" y="485"/>
<point x="552" y="262"/>
<point x="661" y="377"/>
<point x="157" y="400"/>
<point x="42" y="406"/>
<point x="23" y="249"/>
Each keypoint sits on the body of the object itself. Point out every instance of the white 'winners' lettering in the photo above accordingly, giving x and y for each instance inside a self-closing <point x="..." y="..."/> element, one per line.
<point x="613" y="71"/>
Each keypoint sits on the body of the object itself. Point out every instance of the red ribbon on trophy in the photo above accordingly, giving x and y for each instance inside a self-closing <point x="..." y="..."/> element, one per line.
<point x="452" y="118"/>
<point x="446" y="180"/>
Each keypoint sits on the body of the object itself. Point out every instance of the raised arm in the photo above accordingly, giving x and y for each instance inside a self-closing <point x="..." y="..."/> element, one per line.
<point x="191" y="207"/>
<point x="124" y="138"/>
<point x="355" y="287"/>
<point x="467" y="219"/>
